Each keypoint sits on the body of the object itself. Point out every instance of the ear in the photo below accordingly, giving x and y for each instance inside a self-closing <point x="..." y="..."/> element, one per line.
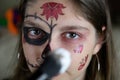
<point x="99" y="41"/>
<point x="97" y="48"/>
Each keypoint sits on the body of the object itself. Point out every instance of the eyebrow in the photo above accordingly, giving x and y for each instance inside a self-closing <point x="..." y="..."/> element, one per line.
<point x="36" y="17"/>
<point x="28" y="22"/>
<point x="73" y="27"/>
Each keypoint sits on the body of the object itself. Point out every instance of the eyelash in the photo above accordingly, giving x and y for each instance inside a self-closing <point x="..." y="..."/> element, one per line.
<point x="35" y="33"/>
<point x="72" y="36"/>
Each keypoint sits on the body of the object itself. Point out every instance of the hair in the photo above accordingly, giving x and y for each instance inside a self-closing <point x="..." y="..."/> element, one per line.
<point x="97" y="13"/>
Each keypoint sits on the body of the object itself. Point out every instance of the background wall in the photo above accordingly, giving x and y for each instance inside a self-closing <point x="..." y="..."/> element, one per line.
<point x="6" y="4"/>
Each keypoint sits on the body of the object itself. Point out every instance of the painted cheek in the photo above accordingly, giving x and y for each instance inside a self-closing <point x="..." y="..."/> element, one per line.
<point x="79" y="49"/>
<point x="83" y="62"/>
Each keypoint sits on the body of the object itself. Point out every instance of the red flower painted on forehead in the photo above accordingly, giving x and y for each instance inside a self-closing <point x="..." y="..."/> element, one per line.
<point x="52" y="10"/>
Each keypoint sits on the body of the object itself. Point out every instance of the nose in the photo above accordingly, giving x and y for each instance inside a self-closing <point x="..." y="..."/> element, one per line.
<point x="52" y="45"/>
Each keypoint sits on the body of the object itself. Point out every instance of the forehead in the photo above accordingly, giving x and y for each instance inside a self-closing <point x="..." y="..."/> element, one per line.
<point x="39" y="5"/>
<point x="63" y="7"/>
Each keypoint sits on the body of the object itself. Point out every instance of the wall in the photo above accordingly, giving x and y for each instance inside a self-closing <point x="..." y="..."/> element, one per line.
<point x="6" y="4"/>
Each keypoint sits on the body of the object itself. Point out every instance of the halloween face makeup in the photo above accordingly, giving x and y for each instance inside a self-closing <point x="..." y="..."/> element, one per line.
<point x="78" y="49"/>
<point x="50" y="25"/>
<point x="35" y="36"/>
<point x="52" y="10"/>
<point x="83" y="62"/>
<point x="39" y="62"/>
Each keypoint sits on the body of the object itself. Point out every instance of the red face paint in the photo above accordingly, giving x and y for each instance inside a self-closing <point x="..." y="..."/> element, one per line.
<point x="52" y="10"/>
<point x="78" y="49"/>
<point x="83" y="62"/>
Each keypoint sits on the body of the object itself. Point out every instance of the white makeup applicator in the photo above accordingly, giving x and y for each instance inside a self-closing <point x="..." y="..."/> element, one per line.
<point x="55" y="63"/>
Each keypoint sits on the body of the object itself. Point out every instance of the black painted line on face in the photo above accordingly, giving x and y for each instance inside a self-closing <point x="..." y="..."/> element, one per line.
<point x="37" y="17"/>
<point x="51" y="26"/>
<point x="32" y="65"/>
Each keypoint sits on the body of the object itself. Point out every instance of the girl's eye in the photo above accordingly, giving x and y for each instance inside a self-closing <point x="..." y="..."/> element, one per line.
<point x="35" y="36"/>
<point x="71" y="35"/>
<point x="34" y="33"/>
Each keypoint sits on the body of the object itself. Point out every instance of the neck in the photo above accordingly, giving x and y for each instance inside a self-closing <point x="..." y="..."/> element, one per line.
<point x="81" y="76"/>
<point x="67" y="76"/>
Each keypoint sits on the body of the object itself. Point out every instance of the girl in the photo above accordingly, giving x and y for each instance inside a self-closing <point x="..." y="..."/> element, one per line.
<point x="80" y="26"/>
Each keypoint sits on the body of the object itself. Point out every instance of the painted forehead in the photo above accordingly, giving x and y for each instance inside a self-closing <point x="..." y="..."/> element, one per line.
<point x="45" y="11"/>
<point x="52" y="10"/>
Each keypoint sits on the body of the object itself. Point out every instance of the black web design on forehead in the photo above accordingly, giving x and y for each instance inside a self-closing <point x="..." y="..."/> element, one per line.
<point x="39" y="41"/>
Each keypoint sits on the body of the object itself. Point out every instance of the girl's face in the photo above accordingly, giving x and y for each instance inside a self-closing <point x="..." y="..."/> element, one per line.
<point x="54" y="24"/>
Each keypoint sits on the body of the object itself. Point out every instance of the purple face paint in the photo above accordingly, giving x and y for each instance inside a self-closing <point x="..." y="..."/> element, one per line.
<point x="83" y="62"/>
<point x="79" y="49"/>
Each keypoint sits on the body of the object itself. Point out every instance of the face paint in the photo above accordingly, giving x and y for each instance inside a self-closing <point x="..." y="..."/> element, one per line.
<point x="42" y="36"/>
<point x="36" y="17"/>
<point x="83" y="62"/>
<point x="39" y="61"/>
<point x="52" y="10"/>
<point x="78" y="49"/>
<point x="45" y="51"/>
<point x="37" y="41"/>
<point x="32" y="65"/>
<point x="35" y="36"/>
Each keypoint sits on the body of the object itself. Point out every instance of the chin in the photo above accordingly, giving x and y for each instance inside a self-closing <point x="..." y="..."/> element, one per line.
<point x="32" y="69"/>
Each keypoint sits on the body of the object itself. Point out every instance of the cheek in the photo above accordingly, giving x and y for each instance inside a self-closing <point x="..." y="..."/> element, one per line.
<point x="78" y="49"/>
<point x="33" y="56"/>
<point x="30" y="52"/>
<point x="79" y="57"/>
<point x="83" y="62"/>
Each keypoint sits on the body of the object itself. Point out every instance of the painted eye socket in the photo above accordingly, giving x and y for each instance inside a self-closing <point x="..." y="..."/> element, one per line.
<point x="35" y="36"/>
<point x="35" y="33"/>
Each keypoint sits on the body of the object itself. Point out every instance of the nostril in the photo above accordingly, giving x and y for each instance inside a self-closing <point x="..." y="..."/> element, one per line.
<point x="46" y="51"/>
